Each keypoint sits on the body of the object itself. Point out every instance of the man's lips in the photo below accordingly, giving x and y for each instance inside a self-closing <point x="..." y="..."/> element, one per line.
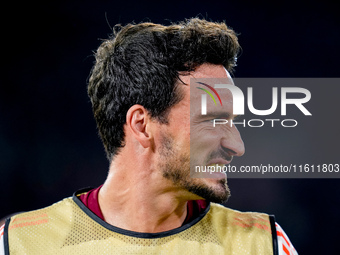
<point x="217" y="174"/>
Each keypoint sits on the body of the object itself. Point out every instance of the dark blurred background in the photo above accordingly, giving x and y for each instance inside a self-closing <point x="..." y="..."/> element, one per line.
<point x="49" y="145"/>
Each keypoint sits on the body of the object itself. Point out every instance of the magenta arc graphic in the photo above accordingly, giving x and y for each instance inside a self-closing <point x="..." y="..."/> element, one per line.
<point x="209" y="93"/>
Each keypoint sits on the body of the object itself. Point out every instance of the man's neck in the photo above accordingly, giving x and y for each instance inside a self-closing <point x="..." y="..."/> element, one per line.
<point x="140" y="201"/>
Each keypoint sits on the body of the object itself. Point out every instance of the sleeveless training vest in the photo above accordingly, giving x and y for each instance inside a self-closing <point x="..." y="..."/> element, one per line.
<point x="68" y="227"/>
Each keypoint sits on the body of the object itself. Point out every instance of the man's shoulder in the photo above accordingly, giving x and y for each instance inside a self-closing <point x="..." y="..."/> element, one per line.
<point x="38" y="229"/>
<point x="242" y="222"/>
<point x="243" y="230"/>
<point x="232" y="214"/>
<point x="40" y="216"/>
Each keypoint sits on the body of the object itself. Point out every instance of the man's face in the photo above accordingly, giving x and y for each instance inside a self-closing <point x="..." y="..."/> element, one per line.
<point x="191" y="140"/>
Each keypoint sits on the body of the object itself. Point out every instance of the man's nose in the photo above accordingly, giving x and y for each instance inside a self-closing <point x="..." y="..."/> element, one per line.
<point x="233" y="143"/>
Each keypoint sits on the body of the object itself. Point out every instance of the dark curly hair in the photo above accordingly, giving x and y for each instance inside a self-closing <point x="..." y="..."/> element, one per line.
<point x="141" y="63"/>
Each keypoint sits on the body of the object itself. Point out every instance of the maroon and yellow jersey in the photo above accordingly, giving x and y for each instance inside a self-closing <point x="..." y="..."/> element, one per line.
<point x="69" y="227"/>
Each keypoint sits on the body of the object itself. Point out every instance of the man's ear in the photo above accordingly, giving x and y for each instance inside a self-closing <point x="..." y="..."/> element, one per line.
<point x="138" y="121"/>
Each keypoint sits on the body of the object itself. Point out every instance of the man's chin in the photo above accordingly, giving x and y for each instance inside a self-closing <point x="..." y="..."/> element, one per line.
<point x="221" y="192"/>
<point x="213" y="190"/>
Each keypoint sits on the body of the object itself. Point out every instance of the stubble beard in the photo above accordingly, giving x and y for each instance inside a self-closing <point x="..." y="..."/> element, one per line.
<point x="175" y="166"/>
